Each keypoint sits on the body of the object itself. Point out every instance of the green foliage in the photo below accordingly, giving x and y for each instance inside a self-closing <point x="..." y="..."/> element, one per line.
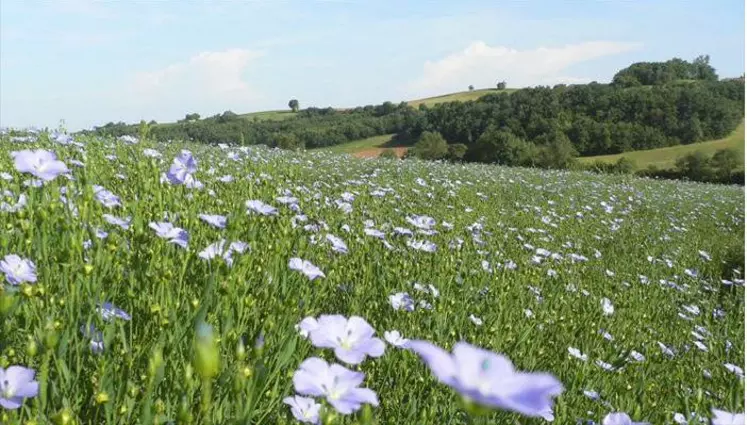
<point x="430" y="146"/>
<point x="192" y="117"/>
<point x="657" y="73"/>
<point x="388" y="154"/>
<point x="294" y="105"/>
<point x="597" y="118"/>
<point x="457" y="151"/>
<point x="501" y="85"/>
<point x="287" y="141"/>
<point x="143" y="130"/>
<point x="163" y="366"/>
<point x="557" y="152"/>
<point x="724" y="163"/>
<point x="471" y="87"/>
<point x="500" y="146"/>
<point x="721" y="167"/>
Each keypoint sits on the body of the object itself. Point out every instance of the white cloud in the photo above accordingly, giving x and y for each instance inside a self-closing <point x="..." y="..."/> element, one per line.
<point x="483" y="66"/>
<point x="208" y="82"/>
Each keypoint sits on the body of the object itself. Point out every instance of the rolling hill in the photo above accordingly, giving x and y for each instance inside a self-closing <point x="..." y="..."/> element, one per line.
<point x="666" y="157"/>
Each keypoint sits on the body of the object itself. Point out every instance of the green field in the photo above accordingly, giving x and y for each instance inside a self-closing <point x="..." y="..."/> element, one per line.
<point x="360" y="145"/>
<point x="666" y="157"/>
<point x="605" y="290"/>
<point x="457" y="97"/>
<point x="269" y="115"/>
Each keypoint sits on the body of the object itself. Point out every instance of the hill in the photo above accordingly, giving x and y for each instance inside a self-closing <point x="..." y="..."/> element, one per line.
<point x="462" y="96"/>
<point x="660" y="158"/>
<point x="665" y="158"/>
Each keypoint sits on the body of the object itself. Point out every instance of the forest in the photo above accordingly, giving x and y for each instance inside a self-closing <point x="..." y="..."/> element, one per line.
<point x="647" y="105"/>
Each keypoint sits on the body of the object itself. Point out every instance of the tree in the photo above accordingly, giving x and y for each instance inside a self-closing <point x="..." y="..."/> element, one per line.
<point x="457" y="151"/>
<point x="288" y="141"/>
<point x="723" y="163"/>
<point x="471" y="87"/>
<point x="558" y="152"/>
<point x="695" y="166"/>
<point x="293" y="104"/>
<point x="501" y="85"/>
<point x="431" y="146"/>
<point x="503" y="147"/>
<point x="192" y="117"/>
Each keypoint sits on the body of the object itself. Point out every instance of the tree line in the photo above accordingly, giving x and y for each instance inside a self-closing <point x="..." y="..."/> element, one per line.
<point x="647" y="105"/>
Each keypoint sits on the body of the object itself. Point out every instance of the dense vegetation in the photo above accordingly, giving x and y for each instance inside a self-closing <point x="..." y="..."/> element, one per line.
<point x="178" y="283"/>
<point x="647" y="106"/>
<point x="310" y="128"/>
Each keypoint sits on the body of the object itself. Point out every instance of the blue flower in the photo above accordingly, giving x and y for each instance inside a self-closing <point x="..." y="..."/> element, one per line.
<point x="306" y="267"/>
<point x="124" y="223"/>
<point x="105" y="197"/>
<point x="182" y="168"/>
<point x="16" y="384"/>
<point x="218" y="221"/>
<point x="175" y="235"/>
<point x="109" y="311"/>
<point x="620" y="419"/>
<point x="39" y="163"/>
<point x="721" y="417"/>
<point x="489" y="379"/>
<point x="339" y="385"/>
<point x="352" y="339"/>
<point x="18" y="270"/>
<point x="260" y="207"/>
<point x="304" y="409"/>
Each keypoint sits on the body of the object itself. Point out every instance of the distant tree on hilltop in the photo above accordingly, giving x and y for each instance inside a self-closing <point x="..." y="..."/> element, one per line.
<point x="293" y="104"/>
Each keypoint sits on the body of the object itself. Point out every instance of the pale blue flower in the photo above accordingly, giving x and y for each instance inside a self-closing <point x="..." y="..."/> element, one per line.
<point x="395" y="338"/>
<point x="306" y="267"/>
<point x="218" y="221"/>
<point x="402" y="301"/>
<point x="124" y="223"/>
<point x="352" y="339"/>
<point x="260" y="207"/>
<point x="721" y="417"/>
<point x="18" y="270"/>
<point x="175" y="235"/>
<point x="39" y="163"/>
<point x="109" y="311"/>
<point x="620" y="419"/>
<point x="17" y="384"/>
<point x="182" y="168"/>
<point x="304" y="409"/>
<point x="105" y="197"/>
<point x="489" y="379"/>
<point x="339" y="385"/>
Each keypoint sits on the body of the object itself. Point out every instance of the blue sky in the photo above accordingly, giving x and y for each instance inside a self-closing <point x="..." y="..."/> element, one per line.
<point x="91" y="62"/>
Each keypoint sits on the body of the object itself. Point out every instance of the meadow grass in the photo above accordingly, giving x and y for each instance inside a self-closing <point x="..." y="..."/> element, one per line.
<point x="523" y="261"/>
<point x="667" y="157"/>
<point x="363" y="144"/>
<point x="269" y="115"/>
<point x="456" y="97"/>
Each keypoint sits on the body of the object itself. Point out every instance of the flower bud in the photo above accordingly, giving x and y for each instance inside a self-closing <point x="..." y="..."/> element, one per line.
<point x="207" y="356"/>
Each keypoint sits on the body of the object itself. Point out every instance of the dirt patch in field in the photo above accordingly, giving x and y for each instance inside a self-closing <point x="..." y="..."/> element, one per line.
<point x="374" y="152"/>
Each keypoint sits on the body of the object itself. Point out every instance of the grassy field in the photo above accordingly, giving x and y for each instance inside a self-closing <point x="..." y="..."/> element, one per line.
<point x="181" y="283"/>
<point x="360" y="145"/>
<point x="269" y="115"/>
<point x="666" y="157"/>
<point x="456" y="97"/>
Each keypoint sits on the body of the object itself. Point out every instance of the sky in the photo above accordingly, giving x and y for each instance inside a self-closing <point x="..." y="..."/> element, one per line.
<point x="91" y="62"/>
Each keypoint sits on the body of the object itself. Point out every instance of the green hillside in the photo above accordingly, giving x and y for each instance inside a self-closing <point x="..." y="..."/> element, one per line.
<point x="666" y="157"/>
<point x="268" y="115"/>
<point x="462" y="96"/>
